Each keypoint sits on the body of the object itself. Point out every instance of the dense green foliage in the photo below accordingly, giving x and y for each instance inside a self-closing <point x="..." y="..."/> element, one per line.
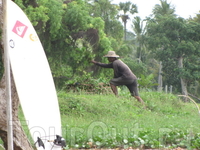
<point x="75" y="32"/>
<point x="172" y="39"/>
<point x="105" y="121"/>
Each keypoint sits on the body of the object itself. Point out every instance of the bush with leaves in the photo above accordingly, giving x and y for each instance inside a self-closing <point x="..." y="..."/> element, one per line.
<point x="147" y="82"/>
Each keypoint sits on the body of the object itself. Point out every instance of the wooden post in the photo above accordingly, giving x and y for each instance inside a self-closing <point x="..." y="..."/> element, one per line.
<point x="8" y="78"/>
<point x="166" y="88"/>
<point x="170" y="89"/>
<point x="160" y="77"/>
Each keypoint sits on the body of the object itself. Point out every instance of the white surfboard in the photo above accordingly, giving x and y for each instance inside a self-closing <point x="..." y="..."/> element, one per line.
<point x="33" y="79"/>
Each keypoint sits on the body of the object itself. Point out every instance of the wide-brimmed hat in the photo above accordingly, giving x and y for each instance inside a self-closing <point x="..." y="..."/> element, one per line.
<point x="111" y="54"/>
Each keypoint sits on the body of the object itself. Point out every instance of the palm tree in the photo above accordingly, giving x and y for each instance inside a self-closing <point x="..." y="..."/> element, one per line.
<point x="126" y="7"/>
<point x="196" y="18"/>
<point x="139" y="32"/>
<point x="164" y="9"/>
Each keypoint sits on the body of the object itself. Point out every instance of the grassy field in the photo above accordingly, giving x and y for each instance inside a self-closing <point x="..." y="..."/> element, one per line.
<point x="2" y="148"/>
<point x="106" y="121"/>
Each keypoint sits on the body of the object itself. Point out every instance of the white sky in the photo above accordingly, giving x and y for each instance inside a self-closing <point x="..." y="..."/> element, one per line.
<point x="183" y="8"/>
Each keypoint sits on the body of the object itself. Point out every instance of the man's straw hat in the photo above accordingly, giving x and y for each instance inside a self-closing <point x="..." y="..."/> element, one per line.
<point x="111" y="54"/>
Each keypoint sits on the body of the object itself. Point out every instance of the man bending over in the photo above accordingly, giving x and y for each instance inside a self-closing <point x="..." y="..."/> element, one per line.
<point x="122" y="75"/>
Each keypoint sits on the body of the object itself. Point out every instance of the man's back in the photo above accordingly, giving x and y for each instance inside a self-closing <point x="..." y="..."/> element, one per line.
<point x="122" y="70"/>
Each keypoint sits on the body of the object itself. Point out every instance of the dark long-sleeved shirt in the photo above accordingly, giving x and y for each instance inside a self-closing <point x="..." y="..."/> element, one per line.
<point x="120" y="69"/>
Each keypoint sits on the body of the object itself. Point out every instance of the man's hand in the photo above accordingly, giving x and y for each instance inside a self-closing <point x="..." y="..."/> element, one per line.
<point x="93" y="61"/>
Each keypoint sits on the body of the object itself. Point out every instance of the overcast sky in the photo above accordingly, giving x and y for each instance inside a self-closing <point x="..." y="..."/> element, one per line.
<point x="183" y="8"/>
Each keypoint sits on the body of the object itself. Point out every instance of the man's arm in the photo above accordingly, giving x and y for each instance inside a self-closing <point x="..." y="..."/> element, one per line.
<point x="102" y="64"/>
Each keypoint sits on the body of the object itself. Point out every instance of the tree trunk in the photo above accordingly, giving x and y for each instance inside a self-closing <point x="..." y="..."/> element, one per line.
<point x="20" y="140"/>
<point x="160" y="77"/>
<point x="125" y="30"/>
<point x="183" y="82"/>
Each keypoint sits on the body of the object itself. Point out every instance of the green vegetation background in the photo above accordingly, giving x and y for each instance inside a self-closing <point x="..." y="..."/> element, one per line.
<point x="106" y="121"/>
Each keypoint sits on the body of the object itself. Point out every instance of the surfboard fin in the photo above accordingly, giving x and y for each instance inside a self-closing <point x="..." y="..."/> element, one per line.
<point x="60" y="141"/>
<point x="40" y="142"/>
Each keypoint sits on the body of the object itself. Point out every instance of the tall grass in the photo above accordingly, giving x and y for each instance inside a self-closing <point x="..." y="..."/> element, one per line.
<point x="95" y="120"/>
<point x="106" y="121"/>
